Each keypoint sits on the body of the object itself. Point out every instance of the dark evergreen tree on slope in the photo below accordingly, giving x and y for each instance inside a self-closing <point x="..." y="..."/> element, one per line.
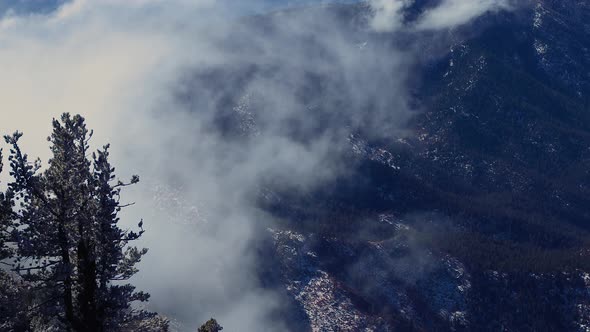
<point x="5" y="217"/>
<point x="12" y="292"/>
<point x="69" y="245"/>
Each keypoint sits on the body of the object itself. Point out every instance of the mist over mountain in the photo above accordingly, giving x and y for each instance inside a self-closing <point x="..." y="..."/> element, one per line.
<point x="384" y="165"/>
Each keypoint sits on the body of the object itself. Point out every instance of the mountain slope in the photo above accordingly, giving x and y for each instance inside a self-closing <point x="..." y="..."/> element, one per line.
<point x="478" y="219"/>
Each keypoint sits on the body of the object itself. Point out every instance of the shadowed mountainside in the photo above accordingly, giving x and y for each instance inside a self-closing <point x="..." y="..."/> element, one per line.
<point x="477" y="219"/>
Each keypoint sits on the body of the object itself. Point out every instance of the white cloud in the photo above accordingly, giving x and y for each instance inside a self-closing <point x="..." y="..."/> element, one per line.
<point x="452" y="13"/>
<point x="388" y="15"/>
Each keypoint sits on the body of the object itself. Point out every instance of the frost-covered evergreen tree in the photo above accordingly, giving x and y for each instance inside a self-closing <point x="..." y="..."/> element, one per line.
<point x="115" y="259"/>
<point x="69" y="246"/>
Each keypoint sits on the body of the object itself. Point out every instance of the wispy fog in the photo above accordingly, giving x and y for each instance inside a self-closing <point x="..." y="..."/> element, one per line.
<point x="207" y="105"/>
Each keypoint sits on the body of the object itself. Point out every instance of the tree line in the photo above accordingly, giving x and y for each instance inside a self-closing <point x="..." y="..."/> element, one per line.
<point x="66" y="261"/>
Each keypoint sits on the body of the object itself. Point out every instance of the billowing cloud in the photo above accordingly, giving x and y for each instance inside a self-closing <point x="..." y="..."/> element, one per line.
<point x="452" y="13"/>
<point x="388" y="15"/>
<point x="161" y="80"/>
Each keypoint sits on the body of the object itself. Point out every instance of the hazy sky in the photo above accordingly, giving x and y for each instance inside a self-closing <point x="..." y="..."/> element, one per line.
<point x="121" y="65"/>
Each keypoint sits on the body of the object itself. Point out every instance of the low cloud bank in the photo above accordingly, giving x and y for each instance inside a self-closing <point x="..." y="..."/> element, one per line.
<point x="148" y="76"/>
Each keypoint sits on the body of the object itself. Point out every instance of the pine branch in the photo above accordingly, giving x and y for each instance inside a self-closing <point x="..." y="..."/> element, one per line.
<point x="126" y="205"/>
<point x="35" y="267"/>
